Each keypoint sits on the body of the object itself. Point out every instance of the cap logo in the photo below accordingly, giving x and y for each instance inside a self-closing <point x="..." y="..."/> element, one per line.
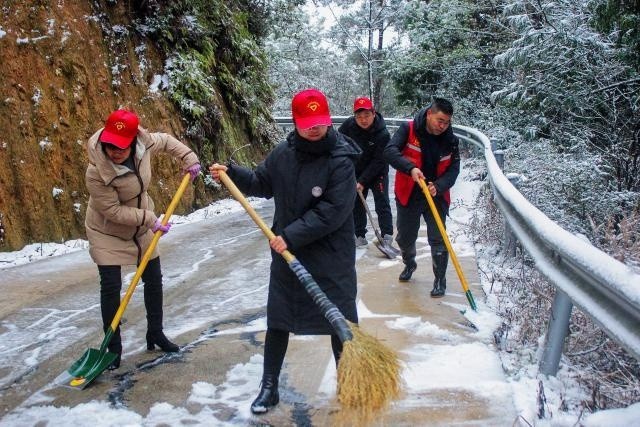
<point x="313" y="105"/>
<point x="119" y="125"/>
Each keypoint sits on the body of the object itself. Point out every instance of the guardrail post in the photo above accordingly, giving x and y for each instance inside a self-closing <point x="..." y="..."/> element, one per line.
<point x="557" y="332"/>
<point x="499" y="155"/>
<point x="510" y="240"/>
<point x="494" y="144"/>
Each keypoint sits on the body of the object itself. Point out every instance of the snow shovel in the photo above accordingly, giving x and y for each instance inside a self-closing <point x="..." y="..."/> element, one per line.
<point x="93" y="362"/>
<point x="389" y="251"/>
<point x="447" y="243"/>
<point x="368" y="371"/>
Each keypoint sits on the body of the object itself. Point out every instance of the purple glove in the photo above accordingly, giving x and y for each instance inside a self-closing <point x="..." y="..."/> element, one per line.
<point x="194" y="170"/>
<point x="159" y="227"/>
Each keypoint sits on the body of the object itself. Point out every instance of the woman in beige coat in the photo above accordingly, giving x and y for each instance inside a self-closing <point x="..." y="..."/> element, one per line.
<point x="120" y="220"/>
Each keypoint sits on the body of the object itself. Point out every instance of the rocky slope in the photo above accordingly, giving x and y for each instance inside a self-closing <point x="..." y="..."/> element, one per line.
<point x="64" y="66"/>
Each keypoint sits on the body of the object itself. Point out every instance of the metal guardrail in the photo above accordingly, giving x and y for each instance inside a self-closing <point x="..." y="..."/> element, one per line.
<point x="602" y="287"/>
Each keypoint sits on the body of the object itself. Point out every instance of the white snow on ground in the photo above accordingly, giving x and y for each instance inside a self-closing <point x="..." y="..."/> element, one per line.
<point x="37" y="251"/>
<point x="450" y="364"/>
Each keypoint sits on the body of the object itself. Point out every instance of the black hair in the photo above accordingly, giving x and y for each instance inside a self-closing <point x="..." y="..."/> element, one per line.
<point x="441" y="105"/>
<point x="132" y="145"/>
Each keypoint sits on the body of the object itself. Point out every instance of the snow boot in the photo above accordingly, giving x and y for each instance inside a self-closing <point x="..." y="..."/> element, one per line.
<point x="409" y="268"/>
<point x="268" y="396"/>
<point x="110" y="285"/>
<point x="152" y="278"/>
<point x="440" y="259"/>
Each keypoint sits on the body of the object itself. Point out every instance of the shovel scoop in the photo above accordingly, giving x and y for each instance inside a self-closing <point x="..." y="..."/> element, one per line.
<point x="384" y="247"/>
<point x="84" y="370"/>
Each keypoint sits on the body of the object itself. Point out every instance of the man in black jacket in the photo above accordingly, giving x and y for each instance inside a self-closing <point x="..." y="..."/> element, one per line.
<point x="424" y="148"/>
<point x="311" y="178"/>
<point x="368" y="129"/>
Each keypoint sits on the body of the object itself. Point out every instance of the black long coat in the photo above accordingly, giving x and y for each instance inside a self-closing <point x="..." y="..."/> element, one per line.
<point x="314" y="196"/>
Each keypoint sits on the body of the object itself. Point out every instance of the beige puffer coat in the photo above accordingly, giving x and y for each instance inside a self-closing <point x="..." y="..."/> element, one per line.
<point x="120" y="213"/>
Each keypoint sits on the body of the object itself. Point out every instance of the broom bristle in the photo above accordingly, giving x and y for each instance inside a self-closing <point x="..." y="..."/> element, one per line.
<point x="368" y="377"/>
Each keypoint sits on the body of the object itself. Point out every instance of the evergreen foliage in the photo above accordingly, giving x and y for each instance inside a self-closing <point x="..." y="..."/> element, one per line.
<point x="450" y="49"/>
<point x="621" y="19"/>
<point x="579" y="96"/>
<point x="216" y="70"/>
<point x="559" y="93"/>
<point x="301" y="57"/>
<point x="366" y="33"/>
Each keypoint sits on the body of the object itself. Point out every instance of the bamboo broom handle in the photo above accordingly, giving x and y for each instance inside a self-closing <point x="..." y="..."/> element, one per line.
<point x="237" y="194"/>
<point x="326" y="307"/>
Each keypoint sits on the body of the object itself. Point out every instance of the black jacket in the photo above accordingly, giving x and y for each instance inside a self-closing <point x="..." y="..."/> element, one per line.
<point x="372" y="142"/>
<point x="433" y="149"/>
<point x="314" y="196"/>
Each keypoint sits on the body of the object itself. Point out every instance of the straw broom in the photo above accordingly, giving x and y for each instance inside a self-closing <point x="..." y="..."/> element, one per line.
<point x="368" y="371"/>
<point x="368" y="378"/>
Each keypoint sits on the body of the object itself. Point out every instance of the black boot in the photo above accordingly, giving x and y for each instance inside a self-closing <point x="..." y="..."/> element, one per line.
<point x="409" y="268"/>
<point x="161" y="340"/>
<point x="268" y="396"/>
<point x="440" y="259"/>
<point x="116" y="362"/>
<point x="115" y="347"/>
<point x="438" y="290"/>
<point x="152" y="278"/>
<point x="110" y="285"/>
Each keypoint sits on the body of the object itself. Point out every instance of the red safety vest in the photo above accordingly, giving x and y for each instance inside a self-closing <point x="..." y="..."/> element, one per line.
<point x="412" y="151"/>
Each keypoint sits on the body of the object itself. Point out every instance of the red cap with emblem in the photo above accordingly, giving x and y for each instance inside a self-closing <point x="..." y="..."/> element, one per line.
<point x="310" y="108"/>
<point x="120" y="129"/>
<point x="362" y="103"/>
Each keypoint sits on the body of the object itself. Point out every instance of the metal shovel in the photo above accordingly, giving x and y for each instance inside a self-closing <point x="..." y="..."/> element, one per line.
<point x="386" y="248"/>
<point x="94" y="361"/>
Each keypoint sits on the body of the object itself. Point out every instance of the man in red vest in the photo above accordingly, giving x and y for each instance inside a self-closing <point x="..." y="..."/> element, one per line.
<point x="424" y="148"/>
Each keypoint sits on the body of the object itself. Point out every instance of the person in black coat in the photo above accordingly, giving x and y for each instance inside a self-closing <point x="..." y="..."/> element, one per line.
<point x="424" y="148"/>
<point x="368" y="129"/>
<point x="311" y="177"/>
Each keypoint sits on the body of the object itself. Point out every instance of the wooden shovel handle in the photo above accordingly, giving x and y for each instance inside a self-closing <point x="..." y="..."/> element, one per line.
<point x="443" y="232"/>
<point x="149" y="251"/>
<point x="324" y="304"/>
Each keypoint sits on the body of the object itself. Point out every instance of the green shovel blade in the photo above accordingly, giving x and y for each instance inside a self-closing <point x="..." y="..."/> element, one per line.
<point x="84" y="370"/>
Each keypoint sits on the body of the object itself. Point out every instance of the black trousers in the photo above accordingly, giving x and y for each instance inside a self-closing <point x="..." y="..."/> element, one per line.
<point x="275" y="348"/>
<point x="380" y="191"/>
<point x="408" y="224"/>
<point x="110" y="288"/>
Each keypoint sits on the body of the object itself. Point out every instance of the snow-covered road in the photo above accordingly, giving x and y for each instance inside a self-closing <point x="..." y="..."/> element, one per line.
<point x="216" y="270"/>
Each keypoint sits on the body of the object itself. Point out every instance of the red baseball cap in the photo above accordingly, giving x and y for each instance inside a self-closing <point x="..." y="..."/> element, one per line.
<point x="362" y="103"/>
<point x="120" y="129"/>
<point x="310" y="108"/>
